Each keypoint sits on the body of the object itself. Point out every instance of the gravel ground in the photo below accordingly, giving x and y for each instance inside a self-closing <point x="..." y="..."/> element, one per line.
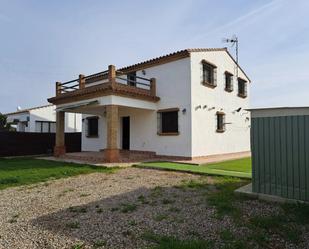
<point x="111" y="211"/>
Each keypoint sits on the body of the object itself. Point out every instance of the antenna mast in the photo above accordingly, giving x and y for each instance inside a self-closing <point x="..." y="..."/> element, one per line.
<point x="233" y="41"/>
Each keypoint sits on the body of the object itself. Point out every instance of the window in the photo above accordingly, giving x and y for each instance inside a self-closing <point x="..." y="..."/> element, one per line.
<point x="242" y="88"/>
<point x="45" y="126"/>
<point x="92" y="127"/>
<point x="168" y="122"/>
<point x="220" y="122"/>
<point x="131" y="79"/>
<point x="228" y="82"/>
<point x="209" y="74"/>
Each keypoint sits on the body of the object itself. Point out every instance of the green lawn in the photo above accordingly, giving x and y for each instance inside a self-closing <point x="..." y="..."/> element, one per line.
<point x="22" y="171"/>
<point x="238" y="168"/>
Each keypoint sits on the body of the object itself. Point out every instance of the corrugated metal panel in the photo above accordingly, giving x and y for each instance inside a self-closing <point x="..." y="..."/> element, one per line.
<point x="280" y="156"/>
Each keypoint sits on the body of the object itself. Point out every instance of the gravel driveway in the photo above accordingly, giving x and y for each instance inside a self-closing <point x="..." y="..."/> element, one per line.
<point x="114" y="211"/>
<point x="87" y="209"/>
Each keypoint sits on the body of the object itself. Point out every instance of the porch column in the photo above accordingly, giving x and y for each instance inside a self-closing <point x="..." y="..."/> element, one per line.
<point x="111" y="152"/>
<point x="59" y="148"/>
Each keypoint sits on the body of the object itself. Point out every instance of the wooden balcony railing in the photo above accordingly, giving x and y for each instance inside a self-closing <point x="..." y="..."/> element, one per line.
<point x="110" y="77"/>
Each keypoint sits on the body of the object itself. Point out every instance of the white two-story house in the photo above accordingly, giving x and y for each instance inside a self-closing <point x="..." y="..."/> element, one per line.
<point x="42" y="119"/>
<point x="187" y="104"/>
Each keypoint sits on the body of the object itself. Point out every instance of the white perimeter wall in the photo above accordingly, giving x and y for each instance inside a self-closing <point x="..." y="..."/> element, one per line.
<point x="205" y="139"/>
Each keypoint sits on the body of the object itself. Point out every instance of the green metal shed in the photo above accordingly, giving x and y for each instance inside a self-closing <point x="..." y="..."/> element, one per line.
<point x="280" y="152"/>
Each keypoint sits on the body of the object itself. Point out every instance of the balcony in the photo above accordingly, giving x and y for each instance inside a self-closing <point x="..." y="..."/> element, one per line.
<point x="109" y="82"/>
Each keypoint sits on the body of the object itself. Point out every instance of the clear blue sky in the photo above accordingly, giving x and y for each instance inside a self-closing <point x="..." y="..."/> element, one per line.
<point x="46" y="41"/>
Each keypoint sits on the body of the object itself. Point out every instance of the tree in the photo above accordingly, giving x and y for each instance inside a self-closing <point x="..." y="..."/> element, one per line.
<point x="3" y="124"/>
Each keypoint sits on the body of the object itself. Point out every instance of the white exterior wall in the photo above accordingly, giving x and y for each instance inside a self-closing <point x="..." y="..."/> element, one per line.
<point x="72" y="120"/>
<point x="205" y="139"/>
<point x="48" y="113"/>
<point x="94" y="143"/>
<point x="173" y="88"/>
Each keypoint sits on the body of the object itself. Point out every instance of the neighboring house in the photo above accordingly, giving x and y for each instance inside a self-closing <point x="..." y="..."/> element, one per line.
<point x="187" y="104"/>
<point x="42" y="119"/>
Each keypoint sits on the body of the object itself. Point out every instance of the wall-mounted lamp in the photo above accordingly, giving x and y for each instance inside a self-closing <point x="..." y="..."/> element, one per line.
<point x="247" y="119"/>
<point x="198" y="107"/>
<point x="184" y="110"/>
<point x="143" y="72"/>
<point x="238" y="110"/>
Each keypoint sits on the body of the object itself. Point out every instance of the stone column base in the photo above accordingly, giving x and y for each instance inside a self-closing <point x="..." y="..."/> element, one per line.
<point x="59" y="151"/>
<point x="111" y="155"/>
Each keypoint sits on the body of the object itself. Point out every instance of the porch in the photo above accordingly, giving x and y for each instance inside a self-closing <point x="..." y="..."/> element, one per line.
<point x="108" y="95"/>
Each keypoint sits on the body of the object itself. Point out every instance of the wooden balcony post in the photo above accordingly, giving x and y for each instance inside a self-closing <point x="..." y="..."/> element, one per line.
<point x="81" y="81"/>
<point x="112" y="75"/>
<point x="153" y="86"/>
<point x="58" y="88"/>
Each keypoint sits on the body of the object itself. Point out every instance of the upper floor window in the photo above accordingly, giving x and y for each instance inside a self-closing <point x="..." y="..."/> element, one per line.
<point x="242" y="88"/>
<point x="228" y="81"/>
<point x="131" y="79"/>
<point x="220" y="121"/>
<point x="209" y="74"/>
<point x="168" y="122"/>
<point x="92" y="126"/>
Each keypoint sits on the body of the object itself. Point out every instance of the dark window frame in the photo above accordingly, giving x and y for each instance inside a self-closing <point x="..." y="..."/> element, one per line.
<point x="91" y="134"/>
<point x="168" y="122"/>
<point x="44" y="122"/>
<point x="228" y="79"/>
<point x="242" y="88"/>
<point x="209" y="78"/>
<point x="131" y="78"/>
<point x="220" y="122"/>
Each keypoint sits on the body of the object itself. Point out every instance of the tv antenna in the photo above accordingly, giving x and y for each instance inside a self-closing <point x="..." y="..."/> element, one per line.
<point x="234" y="42"/>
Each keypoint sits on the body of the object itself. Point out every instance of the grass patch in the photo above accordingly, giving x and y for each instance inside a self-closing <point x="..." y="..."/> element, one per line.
<point x="156" y="191"/>
<point x="142" y="199"/>
<point x="160" y="217"/>
<point x="99" y="243"/>
<point x="278" y="224"/>
<point x="73" y="225"/>
<point x="231" y="242"/>
<point x="298" y="213"/>
<point x="194" y="184"/>
<point x="166" y="201"/>
<point x="168" y="242"/>
<point x="174" y="209"/>
<point x="23" y="171"/>
<point x="78" y="209"/>
<point x="128" y="207"/>
<point x="224" y="198"/>
<point x="238" y="168"/>
<point x="78" y="246"/>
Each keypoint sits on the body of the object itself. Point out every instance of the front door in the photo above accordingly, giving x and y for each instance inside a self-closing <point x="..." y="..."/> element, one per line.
<point x="125" y="133"/>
